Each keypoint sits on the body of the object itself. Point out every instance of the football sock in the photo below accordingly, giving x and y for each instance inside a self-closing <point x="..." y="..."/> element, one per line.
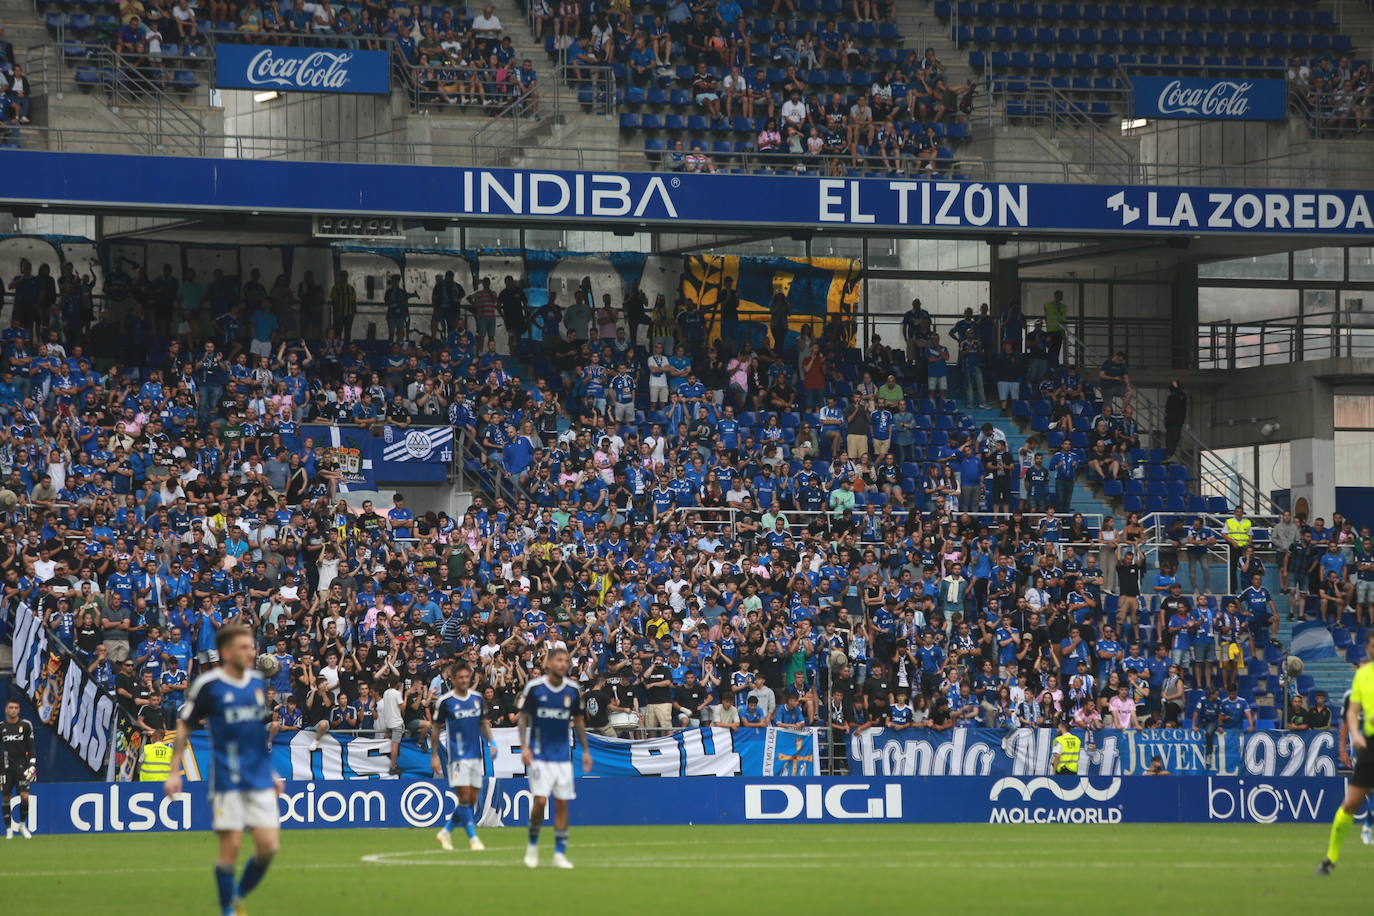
<point x="560" y="841"/>
<point x="534" y="836"/>
<point x="462" y="815"/>
<point x="1339" y="826"/>
<point x="5" y="807"/>
<point x="252" y="874"/>
<point x="224" y="882"/>
<point x="23" y="811"/>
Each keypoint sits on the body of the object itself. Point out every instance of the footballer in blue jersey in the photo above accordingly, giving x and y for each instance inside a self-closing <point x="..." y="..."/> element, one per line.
<point x="462" y="728"/>
<point x="550" y="709"/>
<point x="231" y="701"/>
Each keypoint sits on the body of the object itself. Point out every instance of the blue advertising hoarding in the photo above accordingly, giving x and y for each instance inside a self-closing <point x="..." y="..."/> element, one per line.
<point x="309" y="69"/>
<point x="1209" y="98"/>
<point x="77" y="807"/>
<point x="646" y="199"/>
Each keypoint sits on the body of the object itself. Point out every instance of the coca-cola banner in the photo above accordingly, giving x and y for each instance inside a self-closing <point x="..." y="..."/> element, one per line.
<point x="309" y="69"/>
<point x="1209" y="98"/>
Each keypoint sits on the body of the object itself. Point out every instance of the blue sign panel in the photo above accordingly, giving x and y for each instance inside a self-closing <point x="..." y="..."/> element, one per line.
<point x="641" y="199"/>
<point x="76" y="807"/>
<point x="287" y="69"/>
<point x="1208" y="99"/>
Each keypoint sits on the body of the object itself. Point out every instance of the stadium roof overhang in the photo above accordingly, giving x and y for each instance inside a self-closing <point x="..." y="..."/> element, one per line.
<point x="252" y="195"/>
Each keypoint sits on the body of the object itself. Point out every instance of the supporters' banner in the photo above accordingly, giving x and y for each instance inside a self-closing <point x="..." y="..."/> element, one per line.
<point x="816" y="288"/>
<point x="693" y="752"/>
<point x="419" y="455"/>
<point x="1108" y="752"/>
<point x="80" y="711"/>
<point x="1208" y="98"/>
<point x="141" y="807"/>
<point x="415" y="455"/>
<point x="433" y="445"/>
<point x="349" y="446"/>
<point x="1312" y="641"/>
<point x="650" y="199"/>
<point x="288" y="69"/>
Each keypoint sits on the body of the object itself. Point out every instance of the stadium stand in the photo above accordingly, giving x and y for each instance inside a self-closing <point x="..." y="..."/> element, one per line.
<point x="644" y="509"/>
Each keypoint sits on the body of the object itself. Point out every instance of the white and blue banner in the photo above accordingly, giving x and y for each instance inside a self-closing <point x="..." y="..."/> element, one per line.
<point x="1208" y="98"/>
<point x="648" y="199"/>
<point x="400" y="455"/>
<point x="757" y="752"/>
<point x="63" y="695"/>
<point x="779" y="752"/>
<point x="1106" y="752"/>
<point x="433" y="445"/>
<point x="308" y="69"/>
<point x="1312" y="641"/>
<point x="78" y="807"/>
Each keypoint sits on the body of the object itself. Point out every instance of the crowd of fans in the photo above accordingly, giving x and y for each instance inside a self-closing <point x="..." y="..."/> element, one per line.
<point x="15" y="93"/>
<point x="1336" y="92"/>
<point x="704" y="549"/>
<point x="765" y="80"/>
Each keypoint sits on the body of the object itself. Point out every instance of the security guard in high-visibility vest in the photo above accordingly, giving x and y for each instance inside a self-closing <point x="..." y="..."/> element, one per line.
<point x="1067" y="747"/>
<point x="1237" y="534"/>
<point x="156" y="762"/>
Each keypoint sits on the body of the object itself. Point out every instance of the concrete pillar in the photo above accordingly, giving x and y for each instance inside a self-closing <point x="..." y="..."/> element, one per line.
<point x="1312" y="464"/>
<point x="1005" y="284"/>
<point x="1184" y="311"/>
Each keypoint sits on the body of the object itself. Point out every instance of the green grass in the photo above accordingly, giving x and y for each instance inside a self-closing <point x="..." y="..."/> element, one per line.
<point x="1136" y="868"/>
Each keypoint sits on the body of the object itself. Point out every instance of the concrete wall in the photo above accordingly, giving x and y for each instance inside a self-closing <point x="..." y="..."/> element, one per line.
<point x="311" y="116"/>
<point x="1281" y="152"/>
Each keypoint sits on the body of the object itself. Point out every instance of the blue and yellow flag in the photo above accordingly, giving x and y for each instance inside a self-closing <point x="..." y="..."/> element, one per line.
<point x="817" y="289"/>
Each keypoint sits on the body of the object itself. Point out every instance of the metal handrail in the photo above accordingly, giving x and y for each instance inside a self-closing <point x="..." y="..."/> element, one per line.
<point x="374" y="149"/>
<point x="1230" y="344"/>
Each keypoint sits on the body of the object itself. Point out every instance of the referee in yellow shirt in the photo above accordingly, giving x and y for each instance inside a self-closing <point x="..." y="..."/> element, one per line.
<point x="1361" y="728"/>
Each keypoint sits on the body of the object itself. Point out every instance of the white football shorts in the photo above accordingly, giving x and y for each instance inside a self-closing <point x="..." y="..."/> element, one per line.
<point x="552" y="779"/>
<point x="244" y="809"/>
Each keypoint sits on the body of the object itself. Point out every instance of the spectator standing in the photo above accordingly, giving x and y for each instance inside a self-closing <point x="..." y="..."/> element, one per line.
<point x="343" y="302"/>
<point x="1238" y="537"/>
<point x="483" y="303"/>
<point x="1056" y="322"/>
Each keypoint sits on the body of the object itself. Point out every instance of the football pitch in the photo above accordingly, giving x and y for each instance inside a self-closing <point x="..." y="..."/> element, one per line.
<point x="795" y="869"/>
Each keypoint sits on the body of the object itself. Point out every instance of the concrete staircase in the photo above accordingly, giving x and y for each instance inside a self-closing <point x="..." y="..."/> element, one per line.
<point x="1356" y="19"/>
<point x="23" y="28"/>
<point x="1085" y="499"/>
<point x="920" y="30"/>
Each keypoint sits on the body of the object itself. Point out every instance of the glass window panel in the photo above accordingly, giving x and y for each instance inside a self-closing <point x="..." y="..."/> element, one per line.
<point x="1319" y="264"/>
<point x="1354" y="458"/>
<point x="1354" y="411"/>
<point x="1362" y="264"/>
<point x="1262" y="267"/>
